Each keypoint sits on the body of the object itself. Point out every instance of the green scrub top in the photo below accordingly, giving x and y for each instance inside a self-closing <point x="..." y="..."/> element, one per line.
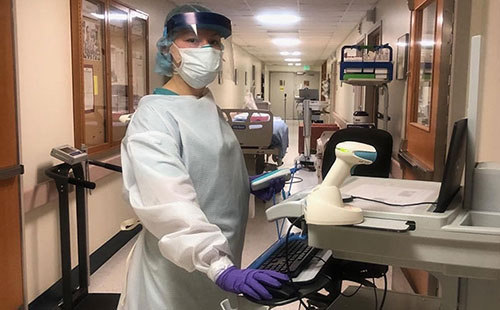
<point x="164" y="91"/>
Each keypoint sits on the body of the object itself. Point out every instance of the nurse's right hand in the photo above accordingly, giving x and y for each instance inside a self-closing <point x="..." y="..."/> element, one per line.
<point x="250" y="282"/>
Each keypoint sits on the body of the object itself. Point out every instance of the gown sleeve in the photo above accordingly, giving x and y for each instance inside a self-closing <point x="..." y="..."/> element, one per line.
<point x="162" y="195"/>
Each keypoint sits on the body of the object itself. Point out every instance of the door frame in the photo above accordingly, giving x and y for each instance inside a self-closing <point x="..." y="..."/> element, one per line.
<point x="11" y="180"/>
<point x="371" y="92"/>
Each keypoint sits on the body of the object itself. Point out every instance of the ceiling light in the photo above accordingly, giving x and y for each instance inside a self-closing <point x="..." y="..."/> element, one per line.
<point x="286" y="41"/>
<point x="292" y="59"/>
<point x="290" y="64"/>
<point x="298" y="64"/>
<point x="278" y="19"/>
<point x="296" y="53"/>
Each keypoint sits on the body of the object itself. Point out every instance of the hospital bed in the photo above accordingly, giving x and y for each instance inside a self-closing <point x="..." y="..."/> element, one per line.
<point x="260" y="135"/>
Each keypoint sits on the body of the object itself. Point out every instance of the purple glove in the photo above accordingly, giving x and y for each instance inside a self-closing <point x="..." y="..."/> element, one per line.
<point x="266" y="194"/>
<point x="250" y="282"/>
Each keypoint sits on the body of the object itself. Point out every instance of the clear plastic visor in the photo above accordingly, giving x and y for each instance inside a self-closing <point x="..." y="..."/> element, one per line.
<point x="204" y="30"/>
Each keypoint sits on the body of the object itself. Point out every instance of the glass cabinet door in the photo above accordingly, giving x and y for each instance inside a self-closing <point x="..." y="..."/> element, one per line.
<point x="139" y="56"/>
<point x="118" y="23"/>
<point x="94" y="73"/>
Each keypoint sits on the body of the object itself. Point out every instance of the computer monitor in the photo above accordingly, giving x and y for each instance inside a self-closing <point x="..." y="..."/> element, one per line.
<point x="454" y="167"/>
<point x="309" y="94"/>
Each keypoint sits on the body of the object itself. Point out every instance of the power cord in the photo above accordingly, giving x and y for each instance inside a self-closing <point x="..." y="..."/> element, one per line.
<point x="385" y="292"/>
<point x="359" y="287"/>
<point x="299" y="180"/>
<point x="375" y="292"/>
<point x="395" y="204"/>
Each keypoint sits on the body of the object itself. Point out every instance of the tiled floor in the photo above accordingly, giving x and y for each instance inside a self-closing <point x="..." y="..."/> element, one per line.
<point x="259" y="236"/>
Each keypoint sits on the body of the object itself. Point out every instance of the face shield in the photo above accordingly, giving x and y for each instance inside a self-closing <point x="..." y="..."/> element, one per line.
<point x="202" y="30"/>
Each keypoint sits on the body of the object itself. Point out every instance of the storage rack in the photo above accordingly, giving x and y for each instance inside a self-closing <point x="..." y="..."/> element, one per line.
<point x="369" y="69"/>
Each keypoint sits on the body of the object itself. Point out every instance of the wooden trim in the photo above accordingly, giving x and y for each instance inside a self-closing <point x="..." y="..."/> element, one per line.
<point x="147" y="52"/>
<point x="418" y="4"/>
<point x="130" y="77"/>
<point x="109" y="97"/>
<point x="77" y="66"/>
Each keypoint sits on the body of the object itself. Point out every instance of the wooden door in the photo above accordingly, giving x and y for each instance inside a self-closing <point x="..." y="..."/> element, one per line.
<point x="424" y="149"/>
<point x="11" y="284"/>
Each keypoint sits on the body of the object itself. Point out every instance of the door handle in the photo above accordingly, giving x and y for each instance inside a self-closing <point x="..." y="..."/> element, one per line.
<point x="11" y="172"/>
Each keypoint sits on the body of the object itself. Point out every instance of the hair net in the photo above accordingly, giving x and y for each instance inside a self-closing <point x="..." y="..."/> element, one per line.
<point x="164" y="64"/>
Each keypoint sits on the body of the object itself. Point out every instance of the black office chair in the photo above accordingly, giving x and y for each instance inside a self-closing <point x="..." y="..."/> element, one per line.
<point x="340" y="270"/>
<point x="380" y="139"/>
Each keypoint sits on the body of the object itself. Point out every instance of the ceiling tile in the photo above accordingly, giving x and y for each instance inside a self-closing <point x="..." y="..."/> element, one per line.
<point x="324" y="25"/>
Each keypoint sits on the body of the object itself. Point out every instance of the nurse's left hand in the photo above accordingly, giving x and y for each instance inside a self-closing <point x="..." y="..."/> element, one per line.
<point x="266" y="194"/>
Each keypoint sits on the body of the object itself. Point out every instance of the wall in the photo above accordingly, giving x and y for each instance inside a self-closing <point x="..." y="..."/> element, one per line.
<point x="394" y="17"/>
<point x="486" y="23"/>
<point x="43" y="41"/>
<point x="229" y="95"/>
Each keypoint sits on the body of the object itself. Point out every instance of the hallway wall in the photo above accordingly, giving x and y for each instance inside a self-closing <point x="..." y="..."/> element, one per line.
<point x="44" y="79"/>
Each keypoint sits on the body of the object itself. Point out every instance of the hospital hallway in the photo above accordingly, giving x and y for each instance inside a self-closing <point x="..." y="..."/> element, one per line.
<point x="260" y="233"/>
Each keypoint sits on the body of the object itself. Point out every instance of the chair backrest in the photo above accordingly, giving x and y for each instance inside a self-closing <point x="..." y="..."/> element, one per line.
<point x="380" y="139"/>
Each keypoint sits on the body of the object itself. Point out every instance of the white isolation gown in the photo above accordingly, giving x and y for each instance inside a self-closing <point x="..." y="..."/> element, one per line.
<point x="186" y="180"/>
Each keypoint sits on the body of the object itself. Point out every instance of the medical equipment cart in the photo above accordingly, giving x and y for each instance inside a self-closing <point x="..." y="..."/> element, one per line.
<point x="373" y="68"/>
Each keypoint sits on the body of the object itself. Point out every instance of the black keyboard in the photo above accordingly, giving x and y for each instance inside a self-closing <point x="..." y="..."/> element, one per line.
<point x="299" y="255"/>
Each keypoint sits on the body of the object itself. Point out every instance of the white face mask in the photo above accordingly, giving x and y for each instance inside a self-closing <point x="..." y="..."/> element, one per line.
<point x="199" y="66"/>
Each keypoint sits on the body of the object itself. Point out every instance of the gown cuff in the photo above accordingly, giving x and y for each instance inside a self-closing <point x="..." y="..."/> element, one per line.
<point x="218" y="266"/>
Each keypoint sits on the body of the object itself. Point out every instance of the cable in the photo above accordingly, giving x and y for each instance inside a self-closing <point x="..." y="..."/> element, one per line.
<point x="294" y="170"/>
<point x="395" y="204"/>
<point x="385" y="292"/>
<point x="375" y="291"/>
<point x="355" y="292"/>
<point x="295" y="182"/>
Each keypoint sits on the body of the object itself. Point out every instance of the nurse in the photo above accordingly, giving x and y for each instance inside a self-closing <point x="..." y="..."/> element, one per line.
<point x="185" y="177"/>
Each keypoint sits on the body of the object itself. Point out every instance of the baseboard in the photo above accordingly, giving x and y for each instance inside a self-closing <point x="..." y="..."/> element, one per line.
<point x="49" y="299"/>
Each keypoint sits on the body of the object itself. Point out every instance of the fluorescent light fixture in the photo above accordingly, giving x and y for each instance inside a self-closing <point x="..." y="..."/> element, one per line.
<point x="290" y="64"/>
<point x="290" y="53"/>
<point x="278" y="18"/>
<point x="292" y="59"/>
<point x="298" y="64"/>
<point x="286" y="41"/>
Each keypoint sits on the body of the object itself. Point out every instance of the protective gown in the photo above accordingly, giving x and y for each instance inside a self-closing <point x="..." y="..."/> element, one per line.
<point x="186" y="180"/>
